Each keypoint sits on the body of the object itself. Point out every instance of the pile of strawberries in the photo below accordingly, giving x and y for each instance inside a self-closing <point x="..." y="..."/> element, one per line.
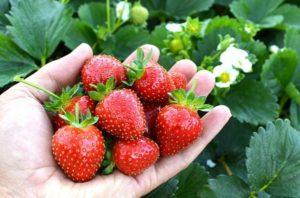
<point x="125" y="116"/>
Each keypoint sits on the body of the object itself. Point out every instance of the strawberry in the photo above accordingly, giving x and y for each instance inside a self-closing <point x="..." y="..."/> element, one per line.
<point x="85" y="104"/>
<point x="179" y="80"/>
<point x="120" y="112"/>
<point x="151" y="112"/>
<point x="178" y="124"/>
<point x="132" y="157"/>
<point x="78" y="148"/>
<point x="150" y="81"/>
<point x="65" y="102"/>
<point x="100" y="68"/>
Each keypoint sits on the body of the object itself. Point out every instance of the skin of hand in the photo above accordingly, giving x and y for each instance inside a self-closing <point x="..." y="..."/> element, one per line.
<point x="27" y="168"/>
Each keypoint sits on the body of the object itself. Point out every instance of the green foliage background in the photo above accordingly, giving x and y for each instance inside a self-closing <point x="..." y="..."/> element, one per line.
<point x="258" y="153"/>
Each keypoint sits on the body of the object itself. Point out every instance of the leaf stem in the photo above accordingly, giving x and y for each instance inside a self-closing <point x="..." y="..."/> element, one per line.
<point x="19" y="79"/>
<point x="282" y="102"/>
<point x="43" y="61"/>
<point x="292" y="91"/>
<point x="225" y="165"/>
<point x="108" y="15"/>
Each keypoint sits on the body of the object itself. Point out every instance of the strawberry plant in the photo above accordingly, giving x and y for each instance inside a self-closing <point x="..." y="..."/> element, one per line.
<point x="251" y="47"/>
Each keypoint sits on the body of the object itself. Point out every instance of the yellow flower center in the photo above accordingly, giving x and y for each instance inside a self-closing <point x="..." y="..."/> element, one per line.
<point x="224" y="77"/>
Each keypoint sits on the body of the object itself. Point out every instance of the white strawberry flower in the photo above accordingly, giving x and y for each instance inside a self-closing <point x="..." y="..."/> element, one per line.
<point x="123" y="10"/>
<point x="236" y="57"/>
<point x="274" y="49"/>
<point x="175" y="27"/>
<point x="225" y="75"/>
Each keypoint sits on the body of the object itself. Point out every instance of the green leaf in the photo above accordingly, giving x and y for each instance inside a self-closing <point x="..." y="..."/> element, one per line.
<point x="4" y="8"/>
<point x="75" y="4"/>
<point x="14" y="2"/>
<point x="225" y="25"/>
<point x="191" y="180"/>
<point x="165" y="190"/>
<point x="158" y="35"/>
<point x="223" y="2"/>
<point x="252" y="102"/>
<point x="229" y="187"/>
<point x="184" y="8"/>
<point x="78" y="33"/>
<point x="176" y="8"/>
<point x="93" y="14"/>
<point x="291" y="15"/>
<point x="280" y="66"/>
<point x="273" y="160"/>
<point x="13" y="61"/>
<point x="295" y="115"/>
<point x="257" y="12"/>
<point x="125" y="41"/>
<point x="260" y="51"/>
<point x="216" y="27"/>
<point x="233" y="138"/>
<point x="38" y="26"/>
<point x="291" y="40"/>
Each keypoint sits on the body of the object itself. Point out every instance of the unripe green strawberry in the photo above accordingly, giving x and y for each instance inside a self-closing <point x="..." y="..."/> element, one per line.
<point x="139" y="14"/>
<point x="176" y="45"/>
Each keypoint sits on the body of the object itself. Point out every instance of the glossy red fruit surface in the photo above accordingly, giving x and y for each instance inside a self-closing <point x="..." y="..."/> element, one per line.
<point x="179" y="80"/>
<point x="177" y="127"/>
<point x="132" y="157"/>
<point x="79" y="152"/>
<point x="121" y="114"/>
<point x="155" y="84"/>
<point x="100" y="68"/>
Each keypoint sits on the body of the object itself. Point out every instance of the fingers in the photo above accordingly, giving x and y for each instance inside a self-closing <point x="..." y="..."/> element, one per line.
<point x="147" y="49"/>
<point x="168" y="167"/>
<point x="206" y="83"/>
<point x="206" y="80"/>
<point x="186" y="67"/>
<point x="59" y="73"/>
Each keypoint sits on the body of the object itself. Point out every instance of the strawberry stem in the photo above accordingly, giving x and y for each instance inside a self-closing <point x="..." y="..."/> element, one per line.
<point x="137" y="67"/>
<point x="194" y="85"/>
<point x="22" y="80"/>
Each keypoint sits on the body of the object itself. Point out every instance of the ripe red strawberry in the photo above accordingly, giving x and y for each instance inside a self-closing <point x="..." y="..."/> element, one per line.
<point x="150" y="81"/>
<point x="179" y="80"/>
<point x="151" y="112"/>
<point x="85" y="104"/>
<point x="100" y="68"/>
<point x="65" y="102"/>
<point x="178" y="125"/>
<point x="132" y="157"/>
<point x="120" y="112"/>
<point x="79" y="148"/>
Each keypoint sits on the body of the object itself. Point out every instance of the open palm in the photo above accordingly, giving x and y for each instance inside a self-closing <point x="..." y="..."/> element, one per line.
<point x="27" y="167"/>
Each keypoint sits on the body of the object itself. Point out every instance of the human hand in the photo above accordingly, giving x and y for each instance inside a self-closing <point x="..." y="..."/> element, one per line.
<point x="27" y="167"/>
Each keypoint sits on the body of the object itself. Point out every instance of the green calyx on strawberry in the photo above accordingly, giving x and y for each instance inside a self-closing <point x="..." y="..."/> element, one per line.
<point x="137" y="67"/>
<point x="58" y="103"/>
<point x="189" y="99"/>
<point x="102" y="89"/>
<point x="78" y="119"/>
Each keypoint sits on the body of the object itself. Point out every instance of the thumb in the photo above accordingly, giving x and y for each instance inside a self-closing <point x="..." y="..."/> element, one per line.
<point x="59" y="73"/>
